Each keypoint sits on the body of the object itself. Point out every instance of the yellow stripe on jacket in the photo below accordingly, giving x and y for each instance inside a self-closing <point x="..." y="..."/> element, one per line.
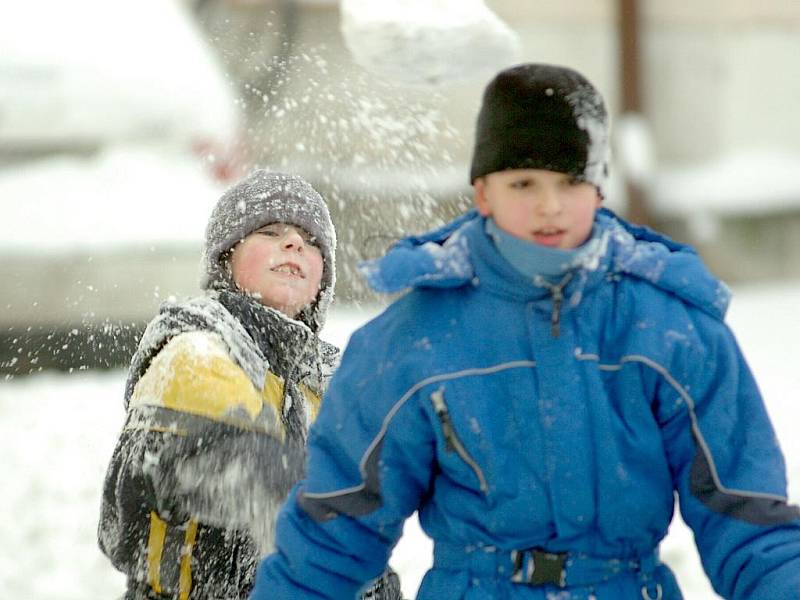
<point x="195" y="374"/>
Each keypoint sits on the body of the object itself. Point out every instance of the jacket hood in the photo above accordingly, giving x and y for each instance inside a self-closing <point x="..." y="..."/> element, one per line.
<point x="449" y="257"/>
<point x="438" y="258"/>
<point x="667" y="264"/>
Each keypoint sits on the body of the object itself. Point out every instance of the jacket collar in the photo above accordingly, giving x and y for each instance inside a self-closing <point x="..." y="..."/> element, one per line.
<point x="499" y="277"/>
<point x="460" y="253"/>
<point x="284" y="341"/>
<point x="257" y="337"/>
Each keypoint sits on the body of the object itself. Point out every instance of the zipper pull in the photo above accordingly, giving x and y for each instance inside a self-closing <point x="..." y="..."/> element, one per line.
<point x="555" y="316"/>
<point x="558" y="297"/>
<point x="452" y="443"/>
<point x="557" y="291"/>
<point x="440" y="407"/>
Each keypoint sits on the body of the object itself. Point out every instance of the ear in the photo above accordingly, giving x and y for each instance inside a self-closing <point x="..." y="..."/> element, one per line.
<point x="481" y="201"/>
<point x="599" y="200"/>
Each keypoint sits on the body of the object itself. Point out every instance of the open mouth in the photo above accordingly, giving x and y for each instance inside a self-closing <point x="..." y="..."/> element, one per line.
<point x="290" y="269"/>
<point x="549" y="236"/>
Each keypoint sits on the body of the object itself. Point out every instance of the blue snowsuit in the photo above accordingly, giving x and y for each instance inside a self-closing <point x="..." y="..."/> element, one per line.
<point x="541" y="432"/>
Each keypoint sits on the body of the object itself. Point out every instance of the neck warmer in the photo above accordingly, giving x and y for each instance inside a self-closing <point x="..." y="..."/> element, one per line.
<point x="534" y="260"/>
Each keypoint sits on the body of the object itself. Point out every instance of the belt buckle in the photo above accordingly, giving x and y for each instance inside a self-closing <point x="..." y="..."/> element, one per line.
<point x="535" y="566"/>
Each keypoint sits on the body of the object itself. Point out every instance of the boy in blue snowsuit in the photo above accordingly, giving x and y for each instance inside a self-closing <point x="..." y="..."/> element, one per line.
<point x="550" y="381"/>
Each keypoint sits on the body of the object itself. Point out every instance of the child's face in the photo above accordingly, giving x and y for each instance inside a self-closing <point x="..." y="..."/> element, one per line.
<point x="280" y="264"/>
<point x="544" y="207"/>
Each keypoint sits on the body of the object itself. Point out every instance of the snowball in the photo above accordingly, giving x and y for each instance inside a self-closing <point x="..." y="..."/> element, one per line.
<point x="427" y="42"/>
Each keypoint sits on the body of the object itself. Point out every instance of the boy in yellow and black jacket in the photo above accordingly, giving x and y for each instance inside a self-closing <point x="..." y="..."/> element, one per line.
<point x="220" y="394"/>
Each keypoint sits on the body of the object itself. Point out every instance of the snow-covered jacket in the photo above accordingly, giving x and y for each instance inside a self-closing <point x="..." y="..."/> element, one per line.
<point x="219" y="398"/>
<point x="541" y="431"/>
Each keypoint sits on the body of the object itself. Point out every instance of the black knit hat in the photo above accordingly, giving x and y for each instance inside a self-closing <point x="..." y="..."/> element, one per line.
<point x="259" y="199"/>
<point x="537" y="116"/>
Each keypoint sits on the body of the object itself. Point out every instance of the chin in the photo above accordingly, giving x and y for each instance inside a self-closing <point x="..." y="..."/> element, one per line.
<point x="287" y="304"/>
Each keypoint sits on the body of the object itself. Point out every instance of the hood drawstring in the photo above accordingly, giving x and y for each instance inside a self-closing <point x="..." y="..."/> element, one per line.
<point x="557" y="291"/>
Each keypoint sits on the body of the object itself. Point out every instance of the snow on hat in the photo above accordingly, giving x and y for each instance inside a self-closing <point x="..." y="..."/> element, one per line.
<point x="538" y="116"/>
<point x="262" y="198"/>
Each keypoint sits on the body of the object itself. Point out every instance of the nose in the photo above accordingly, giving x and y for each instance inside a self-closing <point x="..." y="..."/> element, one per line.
<point x="549" y="203"/>
<point x="292" y="240"/>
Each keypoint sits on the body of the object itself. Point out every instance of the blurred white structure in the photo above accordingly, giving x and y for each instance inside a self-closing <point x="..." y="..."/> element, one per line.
<point x="88" y="73"/>
<point x="427" y="42"/>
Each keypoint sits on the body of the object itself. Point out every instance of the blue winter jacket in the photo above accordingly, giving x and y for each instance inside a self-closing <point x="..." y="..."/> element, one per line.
<point x="541" y="432"/>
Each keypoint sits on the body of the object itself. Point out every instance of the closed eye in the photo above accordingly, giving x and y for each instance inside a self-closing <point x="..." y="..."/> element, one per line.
<point x="278" y="230"/>
<point x="521" y="184"/>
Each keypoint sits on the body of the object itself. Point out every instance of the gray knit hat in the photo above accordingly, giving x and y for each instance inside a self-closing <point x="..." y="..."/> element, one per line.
<point x="258" y="200"/>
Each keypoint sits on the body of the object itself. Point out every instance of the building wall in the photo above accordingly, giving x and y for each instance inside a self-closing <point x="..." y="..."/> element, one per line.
<point x="721" y="80"/>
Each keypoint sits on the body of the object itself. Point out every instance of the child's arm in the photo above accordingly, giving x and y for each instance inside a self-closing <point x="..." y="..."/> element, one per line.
<point x="221" y="475"/>
<point x="729" y="471"/>
<point x="200" y="443"/>
<point x="371" y="452"/>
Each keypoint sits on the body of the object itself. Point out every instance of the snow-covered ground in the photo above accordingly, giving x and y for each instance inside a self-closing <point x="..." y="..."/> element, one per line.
<point x="57" y="432"/>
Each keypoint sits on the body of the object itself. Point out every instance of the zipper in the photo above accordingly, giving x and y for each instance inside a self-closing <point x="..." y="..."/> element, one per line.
<point x="557" y="291"/>
<point x="452" y="442"/>
<point x="555" y="316"/>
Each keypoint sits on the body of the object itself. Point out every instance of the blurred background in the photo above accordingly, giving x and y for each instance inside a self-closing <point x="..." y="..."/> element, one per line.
<point x="121" y="123"/>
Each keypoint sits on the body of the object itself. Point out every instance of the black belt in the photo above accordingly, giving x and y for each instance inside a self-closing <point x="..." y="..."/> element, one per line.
<point x="537" y="566"/>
